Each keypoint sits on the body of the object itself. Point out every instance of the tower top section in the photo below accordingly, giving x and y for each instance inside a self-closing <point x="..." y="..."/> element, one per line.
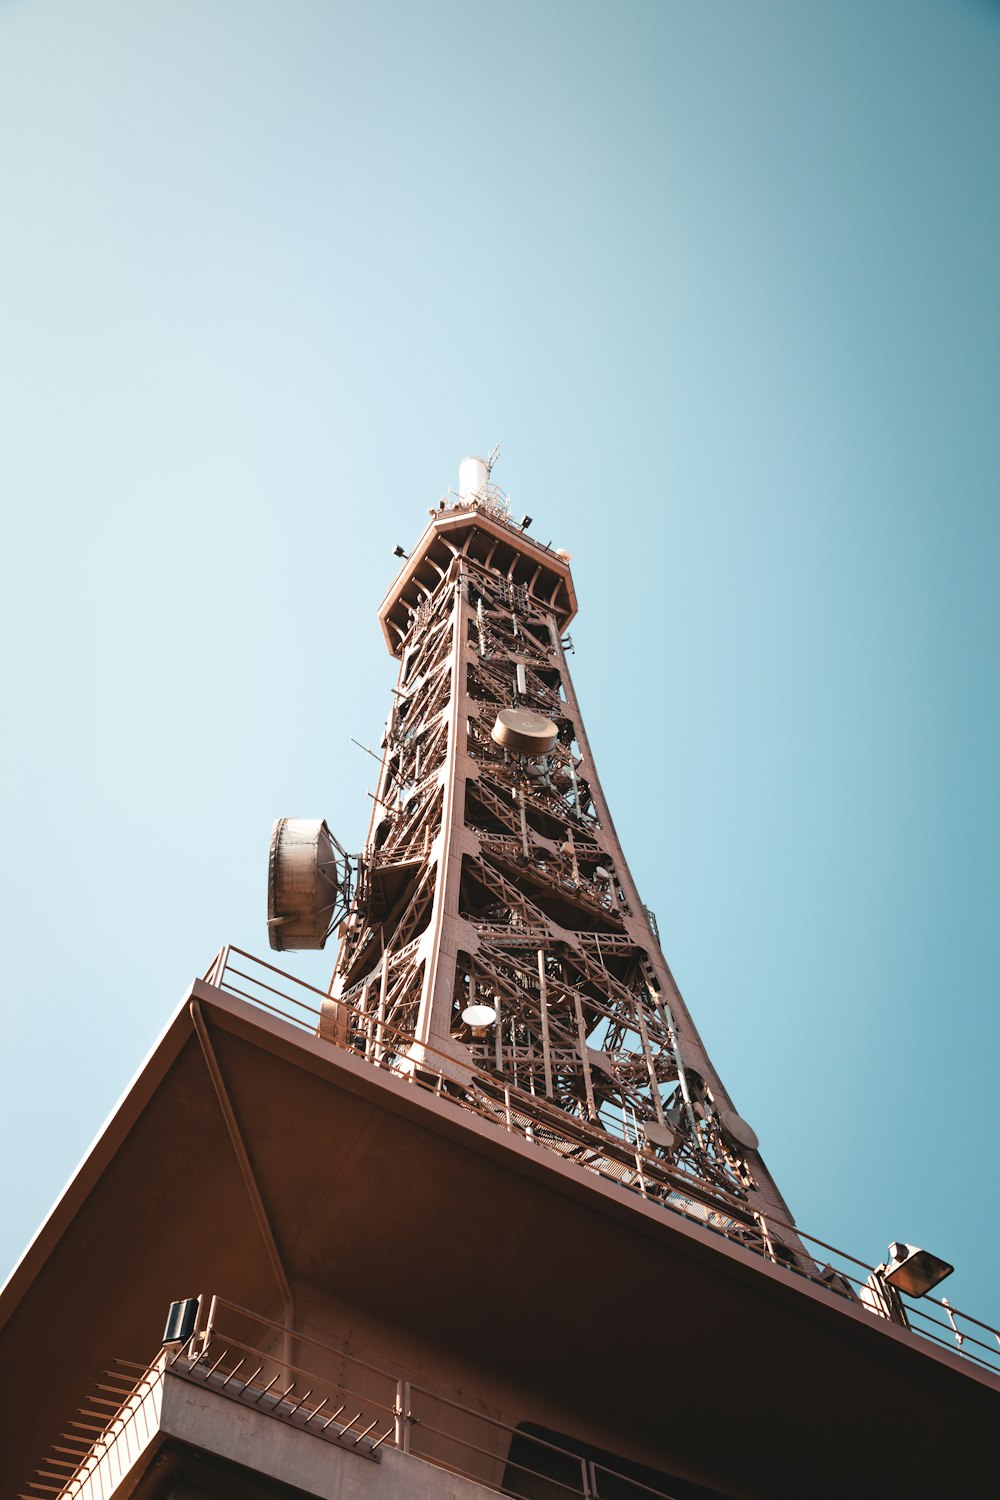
<point x="474" y="523"/>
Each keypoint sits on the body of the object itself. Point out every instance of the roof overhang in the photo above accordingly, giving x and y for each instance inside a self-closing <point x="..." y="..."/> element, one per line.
<point x="389" y="1195"/>
<point x="476" y="533"/>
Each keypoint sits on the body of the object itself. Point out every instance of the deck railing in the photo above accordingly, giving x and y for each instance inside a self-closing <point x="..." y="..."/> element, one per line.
<point x="239" y="973"/>
<point x="320" y="1388"/>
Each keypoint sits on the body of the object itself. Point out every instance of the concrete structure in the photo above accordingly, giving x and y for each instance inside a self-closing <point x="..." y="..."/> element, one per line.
<point x="483" y="1217"/>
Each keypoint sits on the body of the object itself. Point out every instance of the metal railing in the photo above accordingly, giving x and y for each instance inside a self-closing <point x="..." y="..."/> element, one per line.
<point x="91" y="1450"/>
<point x="618" y="1158"/>
<point x="338" y="1396"/>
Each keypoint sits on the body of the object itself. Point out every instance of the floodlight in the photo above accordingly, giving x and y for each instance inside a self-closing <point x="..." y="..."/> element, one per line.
<point x="913" y="1270"/>
<point x="181" y="1318"/>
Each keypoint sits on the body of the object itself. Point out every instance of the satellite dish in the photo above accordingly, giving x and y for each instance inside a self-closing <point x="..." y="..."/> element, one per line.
<point x="303" y="883"/>
<point x="525" y="731"/>
<point x="479" y="1015"/>
<point x="738" y="1130"/>
<point x="659" y="1135"/>
<point x="601" y="1061"/>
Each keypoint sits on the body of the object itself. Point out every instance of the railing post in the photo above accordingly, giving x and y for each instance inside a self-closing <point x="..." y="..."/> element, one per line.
<point x="765" y="1237"/>
<point x="402" y="1416"/>
<point x="217" y="972"/>
<point x="959" y="1337"/>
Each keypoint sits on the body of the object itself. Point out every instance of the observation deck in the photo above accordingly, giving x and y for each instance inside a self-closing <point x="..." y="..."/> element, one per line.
<point x="574" y="1306"/>
<point x="479" y="528"/>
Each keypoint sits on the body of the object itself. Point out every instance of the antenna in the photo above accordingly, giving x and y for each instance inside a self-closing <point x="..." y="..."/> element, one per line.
<point x="494" y="454"/>
<point x="309" y="879"/>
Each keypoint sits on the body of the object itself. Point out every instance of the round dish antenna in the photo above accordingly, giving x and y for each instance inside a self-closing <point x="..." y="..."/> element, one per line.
<point x="308" y="883"/>
<point x="659" y="1135"/>
<point x="523" y="730"/>
<point x="479" y="1017"/>
<point x="738" y="1130"/>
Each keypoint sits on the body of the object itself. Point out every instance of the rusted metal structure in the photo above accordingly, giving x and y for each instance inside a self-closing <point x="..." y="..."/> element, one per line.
<point x="493" y="889"/>
<point x="480" y="1217"/>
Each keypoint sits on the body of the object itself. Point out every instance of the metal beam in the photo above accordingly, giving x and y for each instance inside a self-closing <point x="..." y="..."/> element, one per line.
<point x="246" y="1169"/>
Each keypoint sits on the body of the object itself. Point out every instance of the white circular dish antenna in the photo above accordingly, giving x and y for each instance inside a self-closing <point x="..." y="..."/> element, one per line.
<point x="302" y="883"/>
<point x="566" y="556"/>
<point x="479" y="1015"/>
<point x="738" y="1130"/>
<point x="525" y="731"/>
<point x="480" y="1018"/>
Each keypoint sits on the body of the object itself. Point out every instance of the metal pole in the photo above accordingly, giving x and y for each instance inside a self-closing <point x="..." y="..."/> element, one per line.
<point x="581" y="1032"/>
<point x="544" y="1006"/>
<point x="654" y="1087"/>
<point x="380" y="1023"/>
<point x="524" y="823"/>
<point x="498" y="1034"/>
<point x="246" y="1170"/>
<point x="675" y="1047"/>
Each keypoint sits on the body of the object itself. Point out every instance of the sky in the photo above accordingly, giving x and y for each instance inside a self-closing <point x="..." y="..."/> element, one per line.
<point x="721" y="279"/>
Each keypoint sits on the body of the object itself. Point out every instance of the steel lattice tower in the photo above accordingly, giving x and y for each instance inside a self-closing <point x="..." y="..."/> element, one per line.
<point x="488" y="1231"/>
<point x="494" y="878"/>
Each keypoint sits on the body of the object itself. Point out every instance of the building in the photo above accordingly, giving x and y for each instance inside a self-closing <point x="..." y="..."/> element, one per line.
<point x="482" y="1217"/>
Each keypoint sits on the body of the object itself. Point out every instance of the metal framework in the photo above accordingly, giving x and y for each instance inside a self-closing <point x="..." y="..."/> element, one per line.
<point x="492" y="878"/>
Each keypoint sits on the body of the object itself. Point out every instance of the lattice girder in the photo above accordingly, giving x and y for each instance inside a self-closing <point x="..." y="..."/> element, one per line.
<point x="491" y="878"/>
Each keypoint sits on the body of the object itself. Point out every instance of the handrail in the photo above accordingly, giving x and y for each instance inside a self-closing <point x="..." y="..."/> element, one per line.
<point x="637" y="1170"/>
<point x="254" y="1375"/>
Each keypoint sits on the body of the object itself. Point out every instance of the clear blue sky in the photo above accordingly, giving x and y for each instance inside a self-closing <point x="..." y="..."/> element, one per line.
<point x="722" y="280"/>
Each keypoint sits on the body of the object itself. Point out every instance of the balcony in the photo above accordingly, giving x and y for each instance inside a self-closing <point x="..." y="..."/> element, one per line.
<point x="613" y="1152"/>
<point x="240" y="1371"/>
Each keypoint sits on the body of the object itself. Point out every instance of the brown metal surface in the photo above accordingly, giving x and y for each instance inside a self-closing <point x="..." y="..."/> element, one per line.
<point x="556" y="1224"/>
<point x="302" y="885"/>
<point x="493" y="874"/>
<point x="472" y="1257"/>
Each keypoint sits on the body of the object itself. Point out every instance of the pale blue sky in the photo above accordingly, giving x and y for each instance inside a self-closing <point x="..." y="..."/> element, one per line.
<point x="721" y="278"/>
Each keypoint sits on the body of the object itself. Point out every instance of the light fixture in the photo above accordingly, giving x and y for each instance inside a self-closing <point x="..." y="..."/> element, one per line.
<point x="397" y="551"/>
<point x="525" y="522"/>
<point x="914" y="1271"/>
<point x="479" y="1017"/>
<point x="181" y="1319"/>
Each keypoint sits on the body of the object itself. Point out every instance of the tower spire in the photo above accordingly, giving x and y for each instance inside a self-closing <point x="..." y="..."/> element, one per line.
<point x="496" y="939"/>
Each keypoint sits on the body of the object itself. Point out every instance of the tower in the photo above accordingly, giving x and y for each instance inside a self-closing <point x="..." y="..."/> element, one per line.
<point x="480" y="1218"/>
<point x="496" y="938"/>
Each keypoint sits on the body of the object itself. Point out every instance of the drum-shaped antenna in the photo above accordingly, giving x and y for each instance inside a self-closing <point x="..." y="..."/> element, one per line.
<point x="302" y="883"/>
<point x="523" y="730"/>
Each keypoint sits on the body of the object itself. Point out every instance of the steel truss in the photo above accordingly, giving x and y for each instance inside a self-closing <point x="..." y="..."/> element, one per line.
<point x="491" y="878"/>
